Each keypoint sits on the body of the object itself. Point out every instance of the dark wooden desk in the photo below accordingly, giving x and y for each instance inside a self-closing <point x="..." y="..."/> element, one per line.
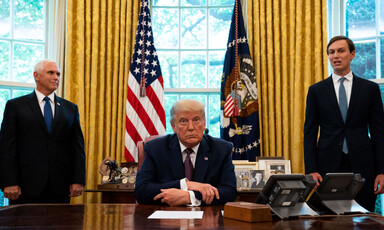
<point x="115" y="196"/>
<point x="128" y="196"/>
<point x="132" y="216"/>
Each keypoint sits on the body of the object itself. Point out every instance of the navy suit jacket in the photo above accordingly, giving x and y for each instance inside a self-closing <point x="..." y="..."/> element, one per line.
<point x="363" y="130"/>
<point x="163" y="168"/>
<point x="31" y="157"/>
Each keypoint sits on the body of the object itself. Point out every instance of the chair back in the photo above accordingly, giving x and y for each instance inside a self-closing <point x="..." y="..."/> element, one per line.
<point x="140" y="149"/>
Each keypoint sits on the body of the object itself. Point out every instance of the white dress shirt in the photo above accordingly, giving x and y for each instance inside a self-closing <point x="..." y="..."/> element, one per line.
<point x="40" y="99"/>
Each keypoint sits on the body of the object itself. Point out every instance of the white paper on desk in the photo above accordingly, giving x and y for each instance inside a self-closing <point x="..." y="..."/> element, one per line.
<point x="176" y="215"/>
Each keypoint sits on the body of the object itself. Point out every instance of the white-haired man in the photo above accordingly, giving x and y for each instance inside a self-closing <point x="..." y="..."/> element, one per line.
<point x="42" y="157"/>
<point x="188" y="167"/>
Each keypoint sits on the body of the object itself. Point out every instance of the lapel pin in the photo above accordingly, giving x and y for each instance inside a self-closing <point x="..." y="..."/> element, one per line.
<point x="58" y="104"/>
<point x="205" y="158"/>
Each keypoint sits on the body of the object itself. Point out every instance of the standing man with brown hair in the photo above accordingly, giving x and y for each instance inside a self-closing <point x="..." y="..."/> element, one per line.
<point x="348" y="111"/>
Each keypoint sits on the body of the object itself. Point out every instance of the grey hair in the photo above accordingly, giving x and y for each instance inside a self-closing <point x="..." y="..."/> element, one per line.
<point x="40" y="65"/>
<point x="187" y="105"/>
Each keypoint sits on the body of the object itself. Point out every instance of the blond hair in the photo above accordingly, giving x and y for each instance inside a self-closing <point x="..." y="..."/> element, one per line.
<point x="187" y="105"/>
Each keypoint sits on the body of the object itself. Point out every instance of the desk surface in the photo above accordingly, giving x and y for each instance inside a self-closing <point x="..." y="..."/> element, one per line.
<point x="114" y="195"/>
<point x="132" y="216"/>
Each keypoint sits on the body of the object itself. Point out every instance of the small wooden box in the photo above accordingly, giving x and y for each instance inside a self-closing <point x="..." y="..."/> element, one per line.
<point x="246" y="211"/>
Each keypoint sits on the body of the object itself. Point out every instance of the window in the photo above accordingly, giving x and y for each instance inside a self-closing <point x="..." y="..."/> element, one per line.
<point x="363" y="22"/>
<point x="22" y="44"/>
<point x="190" y="38"/>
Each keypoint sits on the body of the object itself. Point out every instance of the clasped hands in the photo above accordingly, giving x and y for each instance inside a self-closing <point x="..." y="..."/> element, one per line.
<point x="175" y="197"/>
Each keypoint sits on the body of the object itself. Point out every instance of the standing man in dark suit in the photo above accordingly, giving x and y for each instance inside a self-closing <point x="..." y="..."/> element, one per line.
<point x="349" y="113"/>
<point x="42" y="157"/>
<point x="188" y="167"/>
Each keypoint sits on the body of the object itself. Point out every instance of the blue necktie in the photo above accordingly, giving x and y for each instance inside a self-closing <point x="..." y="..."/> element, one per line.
<point x="48" y="117"/>
<point x="343" y="108"/>
<point x="188" y="166"/>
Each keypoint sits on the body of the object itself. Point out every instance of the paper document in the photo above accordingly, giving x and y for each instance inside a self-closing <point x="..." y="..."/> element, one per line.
<point x="176" y="215"/>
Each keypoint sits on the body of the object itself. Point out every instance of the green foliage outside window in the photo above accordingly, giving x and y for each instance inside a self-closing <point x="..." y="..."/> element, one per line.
<point x="191" y="40"/>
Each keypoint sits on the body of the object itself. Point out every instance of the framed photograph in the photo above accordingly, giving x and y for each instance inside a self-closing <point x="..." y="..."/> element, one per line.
<point x="257" y="179"/>
<point x="269" y="158"/>
<point x="243" y="174"/>
<point x="275" y="167"/>
<point x="242" y="178"/>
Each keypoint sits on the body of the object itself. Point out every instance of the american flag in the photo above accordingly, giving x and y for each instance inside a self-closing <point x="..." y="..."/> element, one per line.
<point x="239" y="100"/>
<point x="145" y="114"/>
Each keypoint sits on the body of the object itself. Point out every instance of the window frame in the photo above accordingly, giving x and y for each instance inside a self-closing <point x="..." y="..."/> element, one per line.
<point x="179" y="92"/>
<point x="337" y="26"/>
<point x="337" y="16"/>
<point x="12" y="85"/>
<point x="15" y="84"/>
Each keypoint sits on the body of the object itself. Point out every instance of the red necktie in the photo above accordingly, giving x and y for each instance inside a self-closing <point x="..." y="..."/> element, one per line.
<point x="188" y="166"/>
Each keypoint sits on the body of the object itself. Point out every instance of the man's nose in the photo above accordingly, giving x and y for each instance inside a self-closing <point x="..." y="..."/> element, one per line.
<point x="190" y="124"/>
<point x="336" y="54"/>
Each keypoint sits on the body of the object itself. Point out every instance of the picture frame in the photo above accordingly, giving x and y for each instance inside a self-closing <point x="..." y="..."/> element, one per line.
<point x="257" y="180"/>
<point x="269" y="158"/>
<point x="242" y="173"/>
<point x="275" y="167"/>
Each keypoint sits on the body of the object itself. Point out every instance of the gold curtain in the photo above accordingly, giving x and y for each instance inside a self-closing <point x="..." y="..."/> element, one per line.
<point x="99" y="44"/>
<point x="288" y="40"/>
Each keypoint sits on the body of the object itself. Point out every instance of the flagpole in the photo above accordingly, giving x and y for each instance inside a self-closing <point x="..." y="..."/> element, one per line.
<point x="143" y="90"/>
<point x="236" y="101"/>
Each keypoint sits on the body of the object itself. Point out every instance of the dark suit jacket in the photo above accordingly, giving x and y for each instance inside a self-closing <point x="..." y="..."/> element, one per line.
<point x="30" y="156"/>
<point x="365" y="116"/>
<point x="163" y="168"/>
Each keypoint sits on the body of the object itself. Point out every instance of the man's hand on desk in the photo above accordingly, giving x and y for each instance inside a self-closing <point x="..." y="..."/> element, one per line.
<point x="173" y="197"/>
<point x="207" y="191"/>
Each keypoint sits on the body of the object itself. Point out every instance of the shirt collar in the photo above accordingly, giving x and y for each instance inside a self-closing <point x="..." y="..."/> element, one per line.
<point x="336" y="77"/>
<point x="183" y="147"/>
<point x="40" y="96"/>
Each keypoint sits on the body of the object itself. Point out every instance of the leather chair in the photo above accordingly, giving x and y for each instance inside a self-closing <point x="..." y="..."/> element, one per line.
<point x="140" y="149"/>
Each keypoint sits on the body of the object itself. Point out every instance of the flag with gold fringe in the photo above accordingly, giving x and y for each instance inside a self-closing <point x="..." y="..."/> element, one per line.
<point x="239" y="99"/>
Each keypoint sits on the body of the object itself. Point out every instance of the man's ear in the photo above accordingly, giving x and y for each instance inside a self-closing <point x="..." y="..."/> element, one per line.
<point x="173" y="126"/>
<point x="36" y="76"/>
<point x="353" y="53"/>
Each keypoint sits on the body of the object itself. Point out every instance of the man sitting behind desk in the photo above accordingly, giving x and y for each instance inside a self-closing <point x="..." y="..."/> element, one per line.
<point x="186" y="168"/>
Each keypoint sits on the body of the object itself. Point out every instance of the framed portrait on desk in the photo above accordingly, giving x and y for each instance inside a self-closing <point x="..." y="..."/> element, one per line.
<point x="272" y="167"/>
<point x="257" y="179"/>
<point x="243" y="170"/>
